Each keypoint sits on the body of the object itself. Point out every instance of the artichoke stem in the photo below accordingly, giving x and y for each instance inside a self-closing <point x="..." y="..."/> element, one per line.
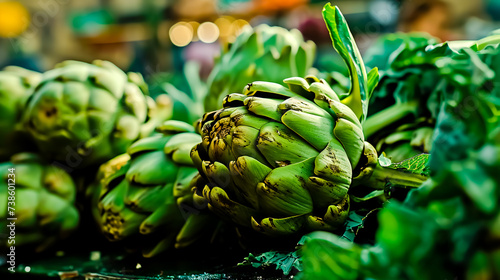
<point x="387" y="117"/>
<point x="382" y="175"/>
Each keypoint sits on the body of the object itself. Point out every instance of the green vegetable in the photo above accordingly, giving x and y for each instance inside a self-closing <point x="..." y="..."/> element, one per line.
<point x="43" y="199"/>
<point x="82" y="114"/>
<point x="448" y="228"/>
<point x="418" y="82"/>
<point x="389" y="48"/>
<point x="471" y="105"/>
<point x="144" y="197"/>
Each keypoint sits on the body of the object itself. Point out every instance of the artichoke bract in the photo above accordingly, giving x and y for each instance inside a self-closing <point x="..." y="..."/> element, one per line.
<point x="83" y="114"/>
<point x="44" y="197"/>
<point x="261" y="54"/>
<point x="145" y="196"/>
<point x="16" y="85"/>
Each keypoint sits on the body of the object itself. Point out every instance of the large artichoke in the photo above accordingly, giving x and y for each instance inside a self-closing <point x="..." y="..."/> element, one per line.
<point x="44" y="197"/>
<point x="261" y="54"/>
<point x="82" y="114"/>
<point x="145" y="196"/>
<point x="15" y="87"/>
<point x="280" y="159"/>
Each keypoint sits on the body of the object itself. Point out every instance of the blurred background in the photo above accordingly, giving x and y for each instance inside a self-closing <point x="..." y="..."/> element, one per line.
<point x="157" y="36"/>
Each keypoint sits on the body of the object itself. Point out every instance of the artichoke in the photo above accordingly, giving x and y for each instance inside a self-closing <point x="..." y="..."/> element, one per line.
<point x="280" y="160"/>
<point x="145" y="196"/>
<point x="43" y="205"/>
<point x="261" y="54"/>
<point x="15" y="87"/>
<point x="83" y="114"/>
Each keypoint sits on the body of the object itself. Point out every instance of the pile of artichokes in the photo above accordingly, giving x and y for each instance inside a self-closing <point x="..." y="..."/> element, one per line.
<point x="277" y="150"/>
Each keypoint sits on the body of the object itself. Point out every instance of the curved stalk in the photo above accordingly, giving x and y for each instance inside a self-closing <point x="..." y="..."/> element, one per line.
<point x="388" y="116"/>
<point x="383" y="175"/>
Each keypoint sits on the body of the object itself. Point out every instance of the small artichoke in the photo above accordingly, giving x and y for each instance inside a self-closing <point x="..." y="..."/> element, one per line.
<point x="43" y="205"/>
<point x="145" y="196"/>
<point x="16" y="85"/>
<point x="83" y="114"/>
<point x="261" y="54"/>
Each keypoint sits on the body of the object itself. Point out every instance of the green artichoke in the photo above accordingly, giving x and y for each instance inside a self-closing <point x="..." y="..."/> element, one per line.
<point x="280" y="160"/>
<point x="145" y="196"/>
<point x="83" y="114"/>
<point x="16" y="85"/>
<point x="261" y="54"/>
<point x="44" y="197"/>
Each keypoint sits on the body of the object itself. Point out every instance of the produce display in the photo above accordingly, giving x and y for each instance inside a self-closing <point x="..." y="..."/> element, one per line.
<point x="268" y="169"/>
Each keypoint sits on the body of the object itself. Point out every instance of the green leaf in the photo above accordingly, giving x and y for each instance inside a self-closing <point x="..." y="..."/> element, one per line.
<point x="329" y="257"/>
<point x="388" y="47"/>
<point x="285" y="262"/>
<point x="373" y="79"/>
<point x="344" y="44"/>
<point x="371" y="195"/>
<point x="417" y="164"/>
<point x="354" y="223"/>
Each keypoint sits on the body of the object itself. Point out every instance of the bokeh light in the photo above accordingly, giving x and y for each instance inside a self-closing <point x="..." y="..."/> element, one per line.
<point x="14" y="19"/>
<point x="236" y="28"/>
<point x="208" y="32"/>
<point x="181" y="34"/>
<point x="224" y="24"/>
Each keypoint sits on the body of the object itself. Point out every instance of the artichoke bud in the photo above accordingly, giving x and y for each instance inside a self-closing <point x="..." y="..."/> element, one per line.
<point x="281" y="160"/>
<point x="96" y="106"/>
<point x="146" y="195"/>
<point x="44" y="204"/>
